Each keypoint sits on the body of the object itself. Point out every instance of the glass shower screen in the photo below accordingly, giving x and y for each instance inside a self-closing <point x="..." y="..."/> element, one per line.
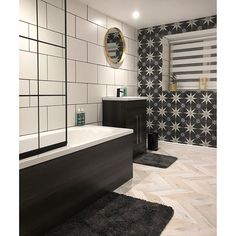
<point x="42" y="76"/>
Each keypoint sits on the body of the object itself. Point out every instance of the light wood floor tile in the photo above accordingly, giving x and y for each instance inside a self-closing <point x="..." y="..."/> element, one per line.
<point x="189" y="186"/>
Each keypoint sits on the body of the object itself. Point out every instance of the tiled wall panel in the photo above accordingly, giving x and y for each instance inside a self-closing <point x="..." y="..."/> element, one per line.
<point x="183" y="116"/>
<point x="89" y="75"/>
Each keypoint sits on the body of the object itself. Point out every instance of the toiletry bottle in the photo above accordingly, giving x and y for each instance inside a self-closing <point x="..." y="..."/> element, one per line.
<point x="82" y="116"/>
<point x="125" y="91"/>
<point x="78" y="117"/>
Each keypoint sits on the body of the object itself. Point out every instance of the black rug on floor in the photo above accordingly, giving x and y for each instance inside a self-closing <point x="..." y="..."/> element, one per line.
<point x="117" y="215"/>
<point x="153" y="159"/>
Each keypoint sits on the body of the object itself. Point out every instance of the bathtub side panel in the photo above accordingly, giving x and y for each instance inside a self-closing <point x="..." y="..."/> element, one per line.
<point x="52" y="191"/>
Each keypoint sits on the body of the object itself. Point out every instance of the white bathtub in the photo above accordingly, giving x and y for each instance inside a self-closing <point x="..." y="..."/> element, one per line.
<point x="78" y="138"/>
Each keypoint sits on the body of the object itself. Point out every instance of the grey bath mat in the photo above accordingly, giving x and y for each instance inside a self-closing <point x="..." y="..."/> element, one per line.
<point x="153" y="159"/>
<point x="117" y="215"/>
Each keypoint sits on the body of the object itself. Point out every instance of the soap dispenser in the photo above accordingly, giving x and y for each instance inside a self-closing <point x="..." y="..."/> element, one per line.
<point x="78" y="117"/>
<point x="82" y="112"/>
<point x="125" y="91"/>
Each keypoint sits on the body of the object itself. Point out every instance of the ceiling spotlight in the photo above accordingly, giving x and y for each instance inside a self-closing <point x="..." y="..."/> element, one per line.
<point x="135" y="14"/>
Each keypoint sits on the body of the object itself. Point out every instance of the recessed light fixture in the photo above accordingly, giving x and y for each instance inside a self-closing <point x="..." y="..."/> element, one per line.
<point x="136" y="14"/>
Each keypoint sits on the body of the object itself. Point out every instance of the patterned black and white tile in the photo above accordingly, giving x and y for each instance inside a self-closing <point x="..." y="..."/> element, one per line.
<point x="181" y="116"/>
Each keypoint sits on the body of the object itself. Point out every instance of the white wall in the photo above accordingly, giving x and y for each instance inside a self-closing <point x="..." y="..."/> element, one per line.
<point x="87" y="64"/>
<point x="90" y="77"/>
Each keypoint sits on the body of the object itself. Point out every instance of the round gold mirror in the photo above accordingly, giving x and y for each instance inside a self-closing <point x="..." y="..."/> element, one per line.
<point x="114" y="46"/>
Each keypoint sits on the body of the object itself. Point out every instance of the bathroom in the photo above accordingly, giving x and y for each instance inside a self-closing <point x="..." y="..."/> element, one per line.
<point x="118" y="117"/>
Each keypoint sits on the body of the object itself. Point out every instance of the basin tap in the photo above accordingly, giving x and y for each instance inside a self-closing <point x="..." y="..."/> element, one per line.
<point x="119" y="91"/>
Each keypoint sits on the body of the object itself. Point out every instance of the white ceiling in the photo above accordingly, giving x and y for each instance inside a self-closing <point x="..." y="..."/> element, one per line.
<point x="154" y="12"/>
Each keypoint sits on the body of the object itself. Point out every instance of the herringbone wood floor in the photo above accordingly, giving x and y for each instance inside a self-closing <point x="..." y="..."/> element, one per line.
<point x="189" y="186"/>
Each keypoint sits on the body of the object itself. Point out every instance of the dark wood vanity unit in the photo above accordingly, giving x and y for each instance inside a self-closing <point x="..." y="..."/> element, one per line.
<point x="52" y="191"/>
<point x="127" y="112"/>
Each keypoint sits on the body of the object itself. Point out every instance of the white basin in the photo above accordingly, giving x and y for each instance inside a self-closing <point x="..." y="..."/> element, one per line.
<point x="125" y="98"/>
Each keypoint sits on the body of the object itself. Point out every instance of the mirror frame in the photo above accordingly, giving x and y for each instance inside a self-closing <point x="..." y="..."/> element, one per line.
<point x="106" y="50"/>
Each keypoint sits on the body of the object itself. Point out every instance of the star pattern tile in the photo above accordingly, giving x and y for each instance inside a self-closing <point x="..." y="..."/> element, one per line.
<point x="183" y="116"/>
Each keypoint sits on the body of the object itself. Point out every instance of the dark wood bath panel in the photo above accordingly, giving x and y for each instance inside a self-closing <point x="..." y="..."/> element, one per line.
<point x="54" y="190"/>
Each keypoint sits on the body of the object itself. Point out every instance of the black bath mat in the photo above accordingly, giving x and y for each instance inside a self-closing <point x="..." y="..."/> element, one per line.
<point x="117" y="215"/>
<point x="153" y="159"/>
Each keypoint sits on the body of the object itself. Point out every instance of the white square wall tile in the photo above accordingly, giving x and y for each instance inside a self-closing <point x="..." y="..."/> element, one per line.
<point x="56" y="117"/>
<point x="132" y="78"/>
<point x="49" y="101"/>
<point x="51" y="87"/>
<point x="57" y="3"/>
<point x="136" y="35"/>
<point x="50" y="36"/>
<point x="28" y="120"/>
<point x="23" y="102"/>
<point x="24" y="29"/>
<point x="129" y="31"/>
<point x="121" y="77"/>
<point x="28" y="65"/>
<point x="32" y="46"/>
<point x="70" y="70"/>
<point x="56" y="19"/>
<point x="106" y="75"/>
<point x="43" y="113"/>
<point x="24" y="44"/>
<point x="50" y="50"/>
<point x="96" y="92"/>
<point x="128" y="62"/>
<point x="34" y="88"/>
<point x="136" y="63"/>
<point x="86" y="72"/>
<point x="56" y="68"/>
<point x="96" y="54"/>
<point x="42" y="14"/>
<point x="43" y="67"/>
<point x="97" y="17"/>
<point x="34" y="102"/>
<point x="77" y="93"/>
<point x="86" y="30"/>
<point x="114" y="23"/>
<point x="78" y="8"/>
<point x="71" y="115"/>
<point x="101" y="35"/>
<point x="27" y="11"/>
<point x="24" y="87"/>
<point x="33" y="31"/>
<point x="132" y="91"/>
<point x="70" y="25"/>
<point x="90" y="112"/>
<point x="132" y="49"/>
<point x="111" y="90"/>
<point x="76" y="49"/>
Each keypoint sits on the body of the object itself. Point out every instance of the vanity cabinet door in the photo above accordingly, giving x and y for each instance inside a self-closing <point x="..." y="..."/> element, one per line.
<point x="141" y="148"/>
<point x="131" y="115"/>
<point x="132" y="122"/>
<point x="136" y="120"/>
